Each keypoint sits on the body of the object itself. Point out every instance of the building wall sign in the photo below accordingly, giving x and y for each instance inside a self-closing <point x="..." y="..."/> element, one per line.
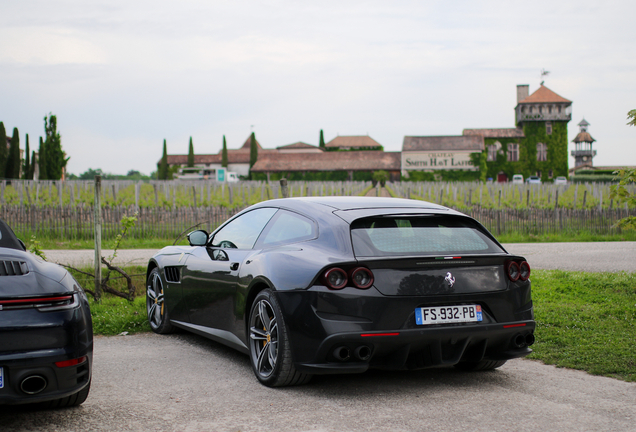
<point x="420" y="161"/>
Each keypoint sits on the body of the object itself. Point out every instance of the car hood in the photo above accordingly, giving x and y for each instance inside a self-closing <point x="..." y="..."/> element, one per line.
<point x="39" y="277"/>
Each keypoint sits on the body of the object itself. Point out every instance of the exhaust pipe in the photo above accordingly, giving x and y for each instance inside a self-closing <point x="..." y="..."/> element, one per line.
<point x="363" y="353"/>
<point x="519" y="341"/>
<point x="529" y="339"/>
<point x="342" y="353"/>
<point x="33" y="384"/>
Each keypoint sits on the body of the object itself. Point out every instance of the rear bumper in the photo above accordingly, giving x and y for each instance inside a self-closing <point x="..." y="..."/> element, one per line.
<point x="31" y="342"/>
<point x="420" y="348"/>
<point x="345" y="331"/>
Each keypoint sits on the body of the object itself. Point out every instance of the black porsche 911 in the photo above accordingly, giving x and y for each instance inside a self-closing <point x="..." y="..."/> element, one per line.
<point x="333" y="285"/>
<point x="46" y="332"/>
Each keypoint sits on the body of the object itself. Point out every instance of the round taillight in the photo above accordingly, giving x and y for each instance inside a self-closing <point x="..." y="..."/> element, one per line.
<point x="335" y="278"/>
<point x="513" y="271"/>
<point x="524" y="271"/>
<point x="361" y="277"/>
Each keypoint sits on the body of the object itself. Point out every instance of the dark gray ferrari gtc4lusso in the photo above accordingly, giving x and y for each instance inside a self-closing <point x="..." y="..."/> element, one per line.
<point x="46" y="333"/>
<point x="334" y="285"/>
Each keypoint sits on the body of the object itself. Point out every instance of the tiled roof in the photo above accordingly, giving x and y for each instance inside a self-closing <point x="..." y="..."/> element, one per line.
<point x="443" y="143"/>
<point x="544" y="95"/>
<point x="329" y="161"/>
<point x="583" y="137"/>
<point x="355" y="141"/>
<point x="495" y="133"/>
<point x="233" y="157"/>
<point x="299" y="146"/>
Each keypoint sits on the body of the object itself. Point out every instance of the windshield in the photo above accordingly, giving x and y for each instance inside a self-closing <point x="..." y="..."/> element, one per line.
<point x="419" y="235"/>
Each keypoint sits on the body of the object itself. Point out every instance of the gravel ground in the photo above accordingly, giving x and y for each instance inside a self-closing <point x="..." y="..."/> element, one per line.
<point x="186" y="383"/>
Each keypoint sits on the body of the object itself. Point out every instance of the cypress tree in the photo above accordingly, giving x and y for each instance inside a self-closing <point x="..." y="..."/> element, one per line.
<point x="322" y="141"/>
<point x="224" y="154"/>
<point x="12" y="170"/>
<point x="162" y="173"/>
<point x="32" y="167"/>
<point x="42" y="174"/>
<point x="55" y="156"/>
<point x="3" y="149"/>
<point x="26" y="168"/>
<point x="191" y="155"/>
<point x="253" y="150"/>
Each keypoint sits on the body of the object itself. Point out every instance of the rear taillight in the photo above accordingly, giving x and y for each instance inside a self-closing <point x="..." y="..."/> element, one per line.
<point x="361" y="277"/>
<point x="513" y="270"/>
<point x="73" y="362"/>
<point x="357" y="277"/>
<point x="44" y="304"/>
<point x="524" y="271"/>
<point x="335" y="278"/>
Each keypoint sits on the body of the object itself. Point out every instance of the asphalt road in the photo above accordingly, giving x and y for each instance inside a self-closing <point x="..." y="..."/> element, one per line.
<point x="593" y="257"/>
<point x="186" y="383"/>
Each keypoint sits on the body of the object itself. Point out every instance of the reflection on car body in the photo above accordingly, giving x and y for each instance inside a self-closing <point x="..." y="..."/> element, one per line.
<point x="329" y="285"/>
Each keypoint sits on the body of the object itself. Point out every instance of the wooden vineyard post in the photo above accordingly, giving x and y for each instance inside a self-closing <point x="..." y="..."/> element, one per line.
<point x="283" y="187"/>
<point x="97" y="213"/>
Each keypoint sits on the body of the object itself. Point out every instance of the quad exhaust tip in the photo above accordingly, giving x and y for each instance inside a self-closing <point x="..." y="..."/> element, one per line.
<point x="33" y="384"/>
<point x="342" y="353"/>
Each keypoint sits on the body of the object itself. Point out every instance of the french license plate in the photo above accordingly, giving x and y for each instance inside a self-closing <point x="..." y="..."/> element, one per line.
<point x="1" y="377"/>
<point x="448" y="314"/>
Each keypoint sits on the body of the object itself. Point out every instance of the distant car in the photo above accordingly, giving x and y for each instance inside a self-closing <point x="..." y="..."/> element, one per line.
<point x="517" y="178"/>
<point x="533" y="180"/>
<point x="330" y="285"/>
<point x="560" y="180"/>
<point x="46" y="332"/>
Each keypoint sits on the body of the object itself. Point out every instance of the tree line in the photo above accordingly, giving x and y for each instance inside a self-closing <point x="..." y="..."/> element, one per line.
<point x="50" y="158"/>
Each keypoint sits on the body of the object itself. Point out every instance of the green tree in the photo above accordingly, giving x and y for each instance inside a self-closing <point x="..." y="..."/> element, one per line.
<point x="41" y="162"/>
<point x="12" y="170"/>
<point x="162" y="172"/>
<point x="224" y="154"/>
<point x="3" y="149"/>
<point x="625" y="177"/>
<point x="26" y="168"/>
<point x="253" y="151"/>
<point x="90" y="174"/>
<point x="32" y="167"/>
<point x="191" y="154"/>
<point x="322" y="140"/>
<point x="56" y="159"/>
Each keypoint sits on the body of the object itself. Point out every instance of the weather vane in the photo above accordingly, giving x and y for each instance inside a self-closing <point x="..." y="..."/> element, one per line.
<point x="543" y="74"/>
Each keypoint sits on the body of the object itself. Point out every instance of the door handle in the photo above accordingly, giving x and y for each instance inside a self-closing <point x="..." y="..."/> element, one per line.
<point x="234" y="266"/>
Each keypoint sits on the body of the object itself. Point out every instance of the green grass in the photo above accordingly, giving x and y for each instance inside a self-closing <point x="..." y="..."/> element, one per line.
<point x="128" y="243"/>
<point x="586" y="321"/>
<point x="116" y="315"/>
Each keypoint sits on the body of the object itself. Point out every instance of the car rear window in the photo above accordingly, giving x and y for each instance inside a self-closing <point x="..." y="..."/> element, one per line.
<point x="418" y="235"/>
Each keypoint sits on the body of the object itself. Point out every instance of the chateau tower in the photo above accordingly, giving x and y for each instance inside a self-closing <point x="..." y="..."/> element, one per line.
<point x="583" y="152"/>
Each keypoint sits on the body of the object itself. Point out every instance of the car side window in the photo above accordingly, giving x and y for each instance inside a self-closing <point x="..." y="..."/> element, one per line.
<point x="288" y="227"/>
<point x="242" y="232"/>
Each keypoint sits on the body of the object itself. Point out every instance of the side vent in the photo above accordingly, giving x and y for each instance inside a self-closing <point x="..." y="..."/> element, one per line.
<point x="13" y="268"/>
<point x="173" y="274"/>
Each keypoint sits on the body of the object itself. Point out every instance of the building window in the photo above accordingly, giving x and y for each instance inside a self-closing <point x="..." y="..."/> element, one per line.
<point x="530" y="110"/>
<point x="542" y="152"/>
<point x="523" y="109"/>
<point x="538" y="173"/>
<point x="548" y="128"/>
<point x="550" y="109"/>
<point x="492" y="153"/>
<point x="513" y="152"/>
<point x="540" y="109"/>
<point x="550" y="174"/>
<point x="559" y="109"/>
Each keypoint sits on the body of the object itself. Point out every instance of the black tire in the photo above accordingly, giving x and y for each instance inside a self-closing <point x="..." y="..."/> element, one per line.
<point x="155" y="304"/>
<point x="270" y="350"/>
<point x="69" y="401"/>
<point x="484" y="365"/>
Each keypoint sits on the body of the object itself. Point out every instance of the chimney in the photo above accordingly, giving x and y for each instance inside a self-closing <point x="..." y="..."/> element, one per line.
<point x="523" y="90"/>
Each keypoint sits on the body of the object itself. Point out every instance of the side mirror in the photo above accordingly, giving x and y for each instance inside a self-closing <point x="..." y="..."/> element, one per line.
<point x="198" y="238"/>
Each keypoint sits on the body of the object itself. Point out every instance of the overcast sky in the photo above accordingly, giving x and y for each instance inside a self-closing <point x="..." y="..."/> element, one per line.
<point x="123" y="75"/>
